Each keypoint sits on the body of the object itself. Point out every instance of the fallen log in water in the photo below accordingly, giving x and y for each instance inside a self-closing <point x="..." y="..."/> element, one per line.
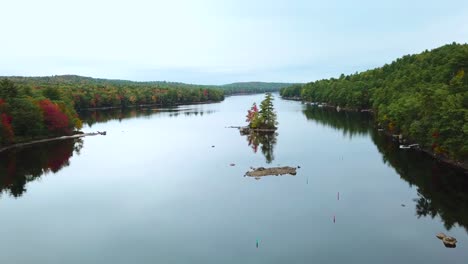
<point x="52" y="139"/>
<point x="260" y="172"/>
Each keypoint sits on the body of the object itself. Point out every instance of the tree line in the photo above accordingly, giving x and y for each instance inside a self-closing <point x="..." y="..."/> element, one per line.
<point x="252" y="87"/>
<point x="39" y="107"/>
<point x="423" y="96"/>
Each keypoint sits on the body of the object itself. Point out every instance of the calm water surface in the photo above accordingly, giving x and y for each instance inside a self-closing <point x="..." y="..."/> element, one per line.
<point x="154" y="190"/>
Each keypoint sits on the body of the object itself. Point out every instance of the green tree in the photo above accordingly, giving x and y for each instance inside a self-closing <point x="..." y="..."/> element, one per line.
<point x="27" y="118"/>
<point x="267" y="114"/>
<point x="52" y="93"/>
<point x="8" y="89"/>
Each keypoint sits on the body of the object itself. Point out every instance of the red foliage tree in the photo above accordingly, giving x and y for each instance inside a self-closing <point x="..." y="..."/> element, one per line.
<point x="56" y="121"/>
<point x="252" y="113"/>
<point x="7" y="130"/>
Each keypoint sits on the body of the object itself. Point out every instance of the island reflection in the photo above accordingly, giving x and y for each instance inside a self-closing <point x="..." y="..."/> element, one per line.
<point x="265" y="141"/>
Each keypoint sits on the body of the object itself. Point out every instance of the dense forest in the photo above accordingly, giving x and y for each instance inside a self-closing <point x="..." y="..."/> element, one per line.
<point x="85" y="92"/>
<point x="424" y="97"/>
<point x="252" y="87"/>
<point x="39" y="107"/>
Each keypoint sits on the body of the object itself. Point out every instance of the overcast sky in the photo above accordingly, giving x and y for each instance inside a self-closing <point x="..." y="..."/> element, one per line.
<point x="216" y="41"/>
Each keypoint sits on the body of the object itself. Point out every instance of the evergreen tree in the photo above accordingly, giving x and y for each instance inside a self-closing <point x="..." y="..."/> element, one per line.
<point x="267" y="115"/>
<point x="8" y="89"/>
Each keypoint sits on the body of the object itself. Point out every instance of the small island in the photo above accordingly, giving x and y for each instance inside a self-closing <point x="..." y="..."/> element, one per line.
<point x="263" y="120"/>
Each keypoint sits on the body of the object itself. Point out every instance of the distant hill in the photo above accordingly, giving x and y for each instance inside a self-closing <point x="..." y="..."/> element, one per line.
<point x="73" y="80"/>
<point x="82" y="80"/>
<point x="253" y="87"/>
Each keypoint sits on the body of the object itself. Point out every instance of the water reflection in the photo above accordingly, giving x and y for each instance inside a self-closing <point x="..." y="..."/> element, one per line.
<point x="92" y="117"/>
<point x="266" y="142"/>
<point x="351" y="123"/>
<point x="20" y="166"/>
<point x="442" y="190"/>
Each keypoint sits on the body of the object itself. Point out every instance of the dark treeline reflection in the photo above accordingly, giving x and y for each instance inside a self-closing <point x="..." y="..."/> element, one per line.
<point x="266" y="142"/>
<point x="20" y="166"/>
<point x="351" y="123"/>
<point x="442" y="190"/>
<point x="91" y="117"/>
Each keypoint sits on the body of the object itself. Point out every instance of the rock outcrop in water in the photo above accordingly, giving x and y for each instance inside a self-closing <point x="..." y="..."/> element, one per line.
<point x="448" y="241"/>
<point x="275" y="171"/>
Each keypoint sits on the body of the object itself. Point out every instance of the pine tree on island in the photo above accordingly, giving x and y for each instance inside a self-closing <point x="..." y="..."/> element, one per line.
<point x="265" y="118"/>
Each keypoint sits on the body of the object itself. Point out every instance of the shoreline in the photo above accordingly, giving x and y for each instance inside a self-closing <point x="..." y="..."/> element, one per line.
<point x="439" y="158"/>
<point x="449" y="162"/>
<point x="34" y="142"/>
<point x="143" y="106"/>
<point x="45" y="140"/>
<point x="161" y="105"/>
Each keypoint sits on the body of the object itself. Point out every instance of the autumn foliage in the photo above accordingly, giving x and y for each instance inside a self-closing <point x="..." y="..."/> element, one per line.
<point x="35" y="108"/>
<point x="252" y="113"/>
<point x="56" y="121"/>
<point x="6" y="129"/>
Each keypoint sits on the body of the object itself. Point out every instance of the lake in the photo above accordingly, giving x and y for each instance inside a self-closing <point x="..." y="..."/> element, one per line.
<point x="160" y="188"/>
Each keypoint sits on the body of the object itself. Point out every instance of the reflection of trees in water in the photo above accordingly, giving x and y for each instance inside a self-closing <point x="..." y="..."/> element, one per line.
<point x="92" y="117"/>
<point x="442" y="190"/>
<point x="266" y="142"/>
<point x="351" y="123"/>
<point x="20" y="166"/>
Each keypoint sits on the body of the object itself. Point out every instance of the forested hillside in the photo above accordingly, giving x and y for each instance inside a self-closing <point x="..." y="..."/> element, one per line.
<point x="39" y="107"/>
<point x="85" y="92"/>
<point x="422" y="96"/>
<point x="252" y="87"/>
